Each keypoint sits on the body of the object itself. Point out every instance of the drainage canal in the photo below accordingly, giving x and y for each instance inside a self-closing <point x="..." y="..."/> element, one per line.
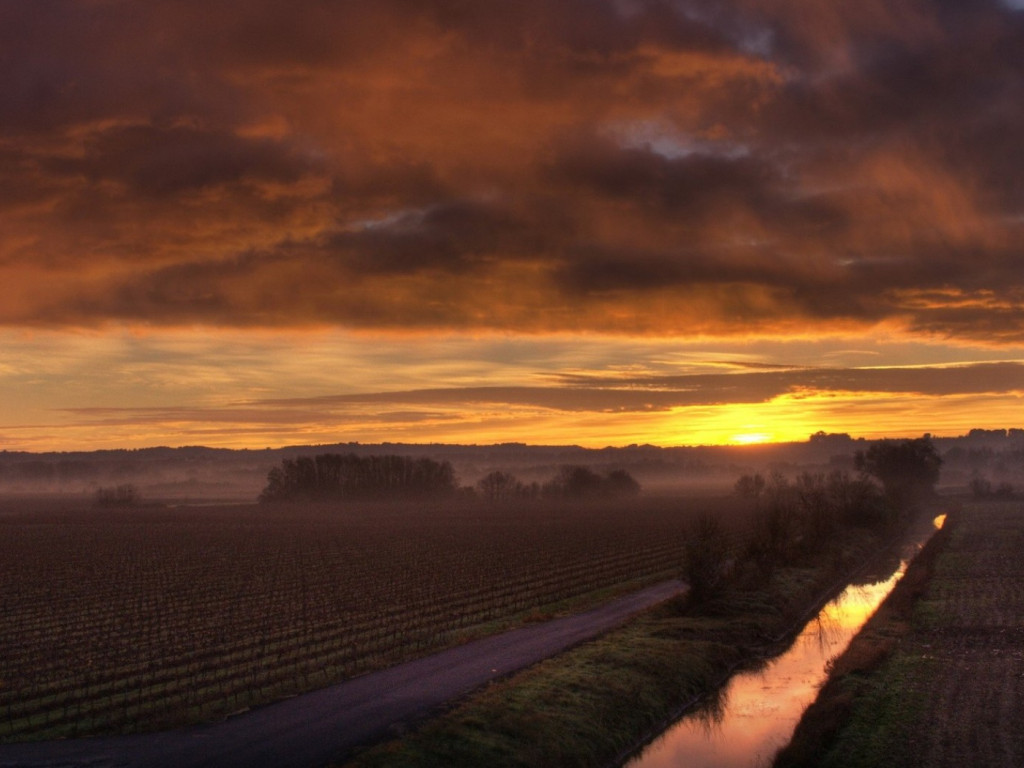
<point x="754" y="714"/>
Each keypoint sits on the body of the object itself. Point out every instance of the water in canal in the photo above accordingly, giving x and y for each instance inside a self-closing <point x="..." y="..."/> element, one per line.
<point x="755" y="713"/>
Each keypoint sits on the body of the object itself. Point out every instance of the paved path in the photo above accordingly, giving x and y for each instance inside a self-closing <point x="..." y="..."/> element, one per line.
<point x="316" y="728"/>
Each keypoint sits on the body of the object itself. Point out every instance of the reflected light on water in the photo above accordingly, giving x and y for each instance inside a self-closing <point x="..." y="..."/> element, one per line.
<point x="759" y="710"/>
<point x="755" y="713"/>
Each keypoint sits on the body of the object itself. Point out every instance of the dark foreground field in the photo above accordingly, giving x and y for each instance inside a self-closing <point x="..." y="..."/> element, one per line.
<point x="319" y="727"/>
<point x="936" y="679"/>
<point x="118" y="621"/>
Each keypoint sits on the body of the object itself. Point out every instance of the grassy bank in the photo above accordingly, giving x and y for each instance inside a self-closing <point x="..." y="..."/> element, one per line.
<point x="936" y="678"/>
<point x="593" y="704"/>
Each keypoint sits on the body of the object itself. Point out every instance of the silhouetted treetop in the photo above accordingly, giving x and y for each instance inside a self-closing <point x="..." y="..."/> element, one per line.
<point x="907" y="469"/>
<point x="124" y="495"/>
<point x="579" y="482"/>
<point x="619" y="482"/>
<point x="501" y="486"/>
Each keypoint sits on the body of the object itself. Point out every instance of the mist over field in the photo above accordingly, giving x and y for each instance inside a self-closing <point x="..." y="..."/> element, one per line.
<point x="995" y="457"/>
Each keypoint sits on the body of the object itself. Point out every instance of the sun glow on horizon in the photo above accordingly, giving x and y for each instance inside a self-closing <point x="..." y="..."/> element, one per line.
<point x="63" y="391"/>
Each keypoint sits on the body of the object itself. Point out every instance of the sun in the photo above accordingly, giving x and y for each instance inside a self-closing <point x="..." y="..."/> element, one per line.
<point x="751" y="438"/>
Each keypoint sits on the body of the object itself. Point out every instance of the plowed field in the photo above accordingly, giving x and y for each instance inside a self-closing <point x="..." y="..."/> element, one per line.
<point x="117" y="621"/>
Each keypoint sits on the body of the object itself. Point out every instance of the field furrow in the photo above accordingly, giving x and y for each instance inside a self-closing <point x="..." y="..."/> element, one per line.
<point x="124" y="621"/>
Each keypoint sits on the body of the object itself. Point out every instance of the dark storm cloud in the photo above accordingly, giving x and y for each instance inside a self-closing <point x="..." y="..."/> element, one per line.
<point x="64" y="63"/>
<point x="958" y="93"/>
<point x="415" y="183"/>
<point x="695" y="192"/>
<point x="609" y="165"/>
<point x="452" y="236"/>
<point x="325" y="277"/>
<point x="163" y="161"/>
<point x="689" y="185"/>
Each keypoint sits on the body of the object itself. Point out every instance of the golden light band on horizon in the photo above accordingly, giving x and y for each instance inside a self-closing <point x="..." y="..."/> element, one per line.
<point x="163" y="389"/>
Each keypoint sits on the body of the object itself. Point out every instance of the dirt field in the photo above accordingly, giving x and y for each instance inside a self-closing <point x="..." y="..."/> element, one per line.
<point x="952" y="693"/>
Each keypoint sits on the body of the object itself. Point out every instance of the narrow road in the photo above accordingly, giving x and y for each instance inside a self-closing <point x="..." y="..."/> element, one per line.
<point x="311" y="730"/>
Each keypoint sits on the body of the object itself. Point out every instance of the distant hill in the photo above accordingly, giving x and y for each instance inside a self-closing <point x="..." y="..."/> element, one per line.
<point x="195" y="473"/>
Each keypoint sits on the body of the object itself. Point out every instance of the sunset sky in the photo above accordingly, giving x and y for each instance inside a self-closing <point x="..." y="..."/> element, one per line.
<point x="598" y="222"/>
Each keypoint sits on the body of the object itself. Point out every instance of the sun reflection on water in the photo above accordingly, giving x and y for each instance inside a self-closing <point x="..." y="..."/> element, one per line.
<point x="754" y="715"/>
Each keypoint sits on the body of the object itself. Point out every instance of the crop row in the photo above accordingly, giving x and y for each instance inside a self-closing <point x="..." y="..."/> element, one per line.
<point x="123" y="624"/>
<point x="391" y="629"/>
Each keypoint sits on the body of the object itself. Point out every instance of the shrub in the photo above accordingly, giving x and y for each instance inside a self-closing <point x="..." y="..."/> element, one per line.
<point x="501" y="486"/>
<point x="706" y="558"/>
<point x="579" y="482"/>
<point x="774" y="530"/>
<point x="619" y="482"/>
<point x="907" y="469"/>
<point x="750" y="486"/>
<point x="125" y="495"/>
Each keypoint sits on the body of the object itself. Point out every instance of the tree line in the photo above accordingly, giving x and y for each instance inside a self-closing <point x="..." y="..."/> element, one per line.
<point x="572" y="481"/>
<point x="798" y="521"/>
<point x="348" y="476"/>
<point x="332" y="476"/>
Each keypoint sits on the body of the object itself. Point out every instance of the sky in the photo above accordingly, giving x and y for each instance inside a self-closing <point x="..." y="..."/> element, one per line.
<point x="592" y="222"/>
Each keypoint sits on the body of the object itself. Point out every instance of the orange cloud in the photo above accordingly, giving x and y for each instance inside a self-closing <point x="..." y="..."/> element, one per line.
<point x="729" y="169"/>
